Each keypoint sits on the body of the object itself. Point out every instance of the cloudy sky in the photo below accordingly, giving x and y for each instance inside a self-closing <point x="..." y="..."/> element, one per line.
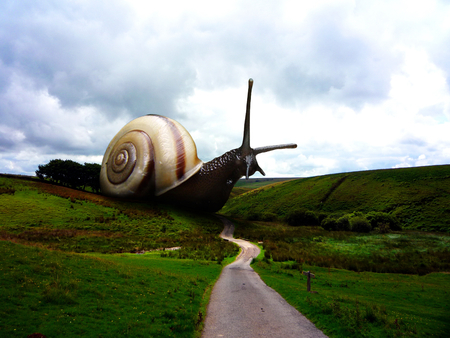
<point x="356" y="84"/>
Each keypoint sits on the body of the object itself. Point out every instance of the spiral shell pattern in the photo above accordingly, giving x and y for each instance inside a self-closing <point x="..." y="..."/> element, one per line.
<point x="149" y="156"/>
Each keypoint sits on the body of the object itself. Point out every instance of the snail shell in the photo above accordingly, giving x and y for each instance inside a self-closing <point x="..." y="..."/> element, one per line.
<point x="149" y="156"/>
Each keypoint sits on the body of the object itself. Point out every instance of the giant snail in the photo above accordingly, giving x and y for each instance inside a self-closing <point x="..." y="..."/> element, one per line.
<point x="155" y="157"/>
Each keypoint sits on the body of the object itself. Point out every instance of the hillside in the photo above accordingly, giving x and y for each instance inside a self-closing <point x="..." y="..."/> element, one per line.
<point x="243" y="185"/>
<point x="418" y="197"/>
<point x="57" y="217"/>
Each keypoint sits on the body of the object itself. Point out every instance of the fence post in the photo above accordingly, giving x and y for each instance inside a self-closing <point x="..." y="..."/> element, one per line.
<point x="308" y="282"/>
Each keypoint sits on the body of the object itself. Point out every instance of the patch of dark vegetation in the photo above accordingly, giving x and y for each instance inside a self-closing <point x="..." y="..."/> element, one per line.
<point x="383" y="220"/>
<point x="301" y="216"/>
<point x="205" y="247"/>
<point x="333" y="187"/>
<point x="355" y="221"/>
<point x="7" y="190"/>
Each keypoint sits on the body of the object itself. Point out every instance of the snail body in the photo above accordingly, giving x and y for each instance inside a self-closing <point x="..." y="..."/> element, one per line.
<point x="155" y="157"/>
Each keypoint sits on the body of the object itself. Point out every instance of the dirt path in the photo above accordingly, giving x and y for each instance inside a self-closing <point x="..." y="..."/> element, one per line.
<point x="241" y="305"/>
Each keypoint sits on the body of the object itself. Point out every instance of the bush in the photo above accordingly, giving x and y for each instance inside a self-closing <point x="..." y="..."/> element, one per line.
<point x="329" y="223"/>
<point x="252" y="216"/>
<point x="268" y="216"/>
<point x="264" y="216"/>
<point x="375" y="218"/>
<point x="332" y="223"/>
<point x="343" y="223"/>
<point x="7" y="190"/>
<point x="383" y="228"/>
<point x="360" y="224"/>
<point x="322" y="215"/>
<point x="302" y="217"/>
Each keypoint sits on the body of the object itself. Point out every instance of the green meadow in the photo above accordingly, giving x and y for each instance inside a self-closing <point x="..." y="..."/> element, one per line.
<point x="76" y="263"/>
<point x="101" y="295"/>
<point x="365" y="304"/>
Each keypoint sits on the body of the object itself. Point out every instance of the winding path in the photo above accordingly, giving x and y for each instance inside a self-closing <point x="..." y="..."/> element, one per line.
<point x="242" y="305"/>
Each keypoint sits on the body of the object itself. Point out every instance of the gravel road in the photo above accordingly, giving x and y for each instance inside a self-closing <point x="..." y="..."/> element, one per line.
<point x="241" y="305"/>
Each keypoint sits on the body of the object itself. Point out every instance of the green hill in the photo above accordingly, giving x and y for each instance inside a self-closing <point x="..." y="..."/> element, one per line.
<point x="242" y="186"/>
<point x="418" y="197"/>
<point x="57" y="217"/>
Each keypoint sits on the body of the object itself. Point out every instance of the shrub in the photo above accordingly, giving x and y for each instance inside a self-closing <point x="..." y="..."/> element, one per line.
<point x="321" y="216"/>
<point x="375" y="218"/>
<point x="264" y="216"/>
<point x="252" y="216"/>
<point x="343" y="223"/>
<point x="383" y="228"/>
<point x="329" y="223"/>
<point x="360" y="224"/>
<point x="268" y="216"/>
<point x="302" y="217"/>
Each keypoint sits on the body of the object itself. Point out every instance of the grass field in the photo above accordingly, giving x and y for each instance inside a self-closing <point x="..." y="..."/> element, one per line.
<point x="100" y="295"/>
<point x="366" y="304"/>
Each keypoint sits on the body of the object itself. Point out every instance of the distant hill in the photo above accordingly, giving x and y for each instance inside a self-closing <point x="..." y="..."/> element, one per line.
<point x="259" y="182"/>
<point x="419" y="197"/>
<point x="243" y="185"/>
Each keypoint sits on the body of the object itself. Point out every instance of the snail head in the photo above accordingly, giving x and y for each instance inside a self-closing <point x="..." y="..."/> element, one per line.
<point x="248" y="153"/>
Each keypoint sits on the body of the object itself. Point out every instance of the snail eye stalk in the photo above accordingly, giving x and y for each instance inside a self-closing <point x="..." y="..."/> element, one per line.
<point x="248" y="153"/>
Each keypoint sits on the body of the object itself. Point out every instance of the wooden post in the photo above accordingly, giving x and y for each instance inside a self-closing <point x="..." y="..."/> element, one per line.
<point x="308" y="283"/>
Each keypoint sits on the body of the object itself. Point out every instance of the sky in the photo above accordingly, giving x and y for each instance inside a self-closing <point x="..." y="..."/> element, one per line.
<point x="357" y="85"/>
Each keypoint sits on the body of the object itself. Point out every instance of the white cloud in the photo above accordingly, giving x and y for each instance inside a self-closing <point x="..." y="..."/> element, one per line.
<point x="357" y="85"/>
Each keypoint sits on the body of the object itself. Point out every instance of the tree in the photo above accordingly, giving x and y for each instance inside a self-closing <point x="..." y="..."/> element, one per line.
<point x="92" y="175"/>
<point x="72" y="174"/>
